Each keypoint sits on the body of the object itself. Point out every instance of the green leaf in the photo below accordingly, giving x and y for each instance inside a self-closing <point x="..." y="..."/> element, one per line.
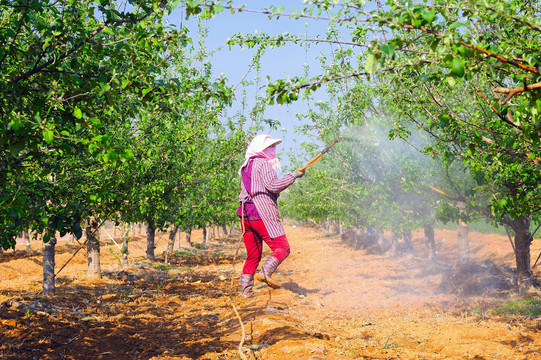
<point x="48" y="136"/>
<point x="113" y="155"/>
<point x="15" y="124"/>
<point x="429" y="16"/>
<point x="370" y="65"/>
<point x="389" y="49"/>
<point x="16" y="148"/>
<point x="128" y="154"/>
<point x="46" y="43"/>
<point x="451" y="81"/>
<point x="146" y="91"/>
<point x="77" y="113"/>
<point x="46" y="236"/>
<point x="455" y="25"/>
<point x="457" y="67"/>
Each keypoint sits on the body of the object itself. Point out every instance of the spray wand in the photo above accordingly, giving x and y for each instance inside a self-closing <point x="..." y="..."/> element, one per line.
<point x="319" y="156"/>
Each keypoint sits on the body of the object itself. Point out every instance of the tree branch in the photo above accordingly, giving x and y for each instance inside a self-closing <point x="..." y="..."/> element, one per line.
<point x="503" y="118"/>
<point x="112" y="43"/>
<point x="520" y="21"/>
<point x="356" y="75"/>
<point x="436" y="100"/>
<point x="36" y="69"/>
<point x="296" y="16"/>
<point x="513" y="92"/>
<point x="444" y="194"/>
<point x="471" y="46"/>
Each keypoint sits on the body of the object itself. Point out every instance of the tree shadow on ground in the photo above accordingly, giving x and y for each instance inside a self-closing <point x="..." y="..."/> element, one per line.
<point x="139" y="315"/>
<point x="24" y="254"/>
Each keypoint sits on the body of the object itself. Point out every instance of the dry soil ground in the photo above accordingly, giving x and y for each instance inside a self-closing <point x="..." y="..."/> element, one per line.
<point x="335" y="303"/>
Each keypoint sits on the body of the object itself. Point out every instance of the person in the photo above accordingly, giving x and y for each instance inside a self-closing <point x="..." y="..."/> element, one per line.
<point x="258" y="212"/>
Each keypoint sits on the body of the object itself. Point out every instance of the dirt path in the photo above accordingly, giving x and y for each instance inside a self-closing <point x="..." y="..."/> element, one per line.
<point x="335" y="303"/>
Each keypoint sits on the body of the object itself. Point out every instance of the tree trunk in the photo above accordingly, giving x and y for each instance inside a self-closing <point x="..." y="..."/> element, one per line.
<point x="27" y="240"/>
<point x="114" y="231"/>
<point x="462" y="232"/>
<point x="124" y="251"/>
<point x="48" y="266"/>
<point x="151" y="234"/>
<point x="358" y="233"/>
<point x="189" y="236"/>
<point x="140" y="226"/>
<point x="205" y="236"/>
<point x="178" y="239"/>
<point x="394" y="246"/>
<point x="430" y="240"/>
<point x="380" y="239"/>
<point x="171" y="242"/>
<point x="523" y="239"/>
<point x="335" y="227"/>
<point x="408" y="245"/>
<point x="93" y="249"/>
<point x="224" y="229"/>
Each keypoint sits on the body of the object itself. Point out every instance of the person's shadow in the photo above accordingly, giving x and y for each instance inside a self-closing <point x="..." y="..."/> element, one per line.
<point x="299" y="290"/>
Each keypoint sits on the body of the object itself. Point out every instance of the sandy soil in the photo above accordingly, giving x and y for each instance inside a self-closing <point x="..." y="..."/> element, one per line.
<point x="335" y="303"/>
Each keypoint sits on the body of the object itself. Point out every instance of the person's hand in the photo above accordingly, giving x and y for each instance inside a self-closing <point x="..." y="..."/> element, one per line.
<point x="298" y="173"/>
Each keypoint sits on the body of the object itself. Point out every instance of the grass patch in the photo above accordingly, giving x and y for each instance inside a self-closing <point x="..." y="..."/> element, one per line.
<point x="125" y="295"/>
<point x="162" y="267"/>
<point x="480" y="309"/>
<point x="187" y="253"/>
<point x="530" y="307"/>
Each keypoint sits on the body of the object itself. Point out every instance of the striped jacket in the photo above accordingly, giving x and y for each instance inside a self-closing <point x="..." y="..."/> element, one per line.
<point x="266" y="188"/>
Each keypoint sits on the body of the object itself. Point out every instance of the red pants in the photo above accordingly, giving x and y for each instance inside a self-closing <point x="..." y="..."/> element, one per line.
<point x="254" y="235"/>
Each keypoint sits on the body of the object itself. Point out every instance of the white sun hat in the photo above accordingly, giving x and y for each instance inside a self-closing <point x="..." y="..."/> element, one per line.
<point x="260" y="143"/>
<point x="257" y="145"/>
